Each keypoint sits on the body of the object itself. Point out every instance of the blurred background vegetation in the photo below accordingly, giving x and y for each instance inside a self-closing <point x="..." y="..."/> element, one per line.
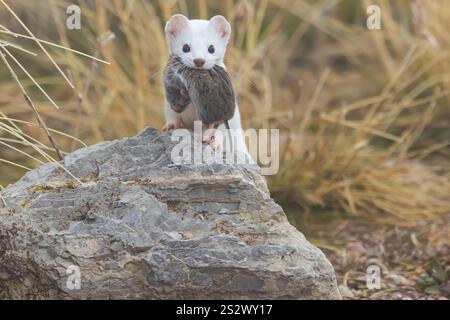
<point x="363" y="115"/>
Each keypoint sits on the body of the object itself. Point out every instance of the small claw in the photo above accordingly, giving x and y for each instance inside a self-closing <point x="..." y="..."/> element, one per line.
<point x="167" y="127"/>
<point x="172" y="126"/>
<point x="179" y="125"/>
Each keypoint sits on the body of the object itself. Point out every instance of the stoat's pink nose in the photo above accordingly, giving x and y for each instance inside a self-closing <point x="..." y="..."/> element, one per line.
<point x="199" y="63"/>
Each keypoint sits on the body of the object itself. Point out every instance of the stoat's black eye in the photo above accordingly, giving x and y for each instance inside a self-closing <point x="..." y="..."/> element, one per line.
<point x="186" y="48"/>
<point x="211" y="49"/>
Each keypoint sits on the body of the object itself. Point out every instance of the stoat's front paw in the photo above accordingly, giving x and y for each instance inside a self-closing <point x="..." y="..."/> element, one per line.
<point x="173" y="126"/>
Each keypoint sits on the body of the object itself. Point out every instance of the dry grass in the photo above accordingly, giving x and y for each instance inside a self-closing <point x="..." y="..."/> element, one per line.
<point x="363" y="114"/>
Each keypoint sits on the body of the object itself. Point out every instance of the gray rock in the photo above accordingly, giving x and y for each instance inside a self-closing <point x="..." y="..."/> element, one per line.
<point x="141" y="227"/>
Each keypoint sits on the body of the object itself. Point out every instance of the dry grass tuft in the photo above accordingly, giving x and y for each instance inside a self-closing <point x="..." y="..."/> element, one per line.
<point x="8" y="125"/>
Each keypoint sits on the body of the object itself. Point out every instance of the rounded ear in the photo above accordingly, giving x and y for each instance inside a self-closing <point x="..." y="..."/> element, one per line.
<point x="221" y="26"/>
<point x="177" y="23"/>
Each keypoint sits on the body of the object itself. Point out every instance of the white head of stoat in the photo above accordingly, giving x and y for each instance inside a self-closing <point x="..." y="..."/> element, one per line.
<point x="199" y="43"/>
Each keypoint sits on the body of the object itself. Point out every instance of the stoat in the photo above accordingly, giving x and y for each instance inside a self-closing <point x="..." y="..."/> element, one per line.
<point x="198" y="44"/>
